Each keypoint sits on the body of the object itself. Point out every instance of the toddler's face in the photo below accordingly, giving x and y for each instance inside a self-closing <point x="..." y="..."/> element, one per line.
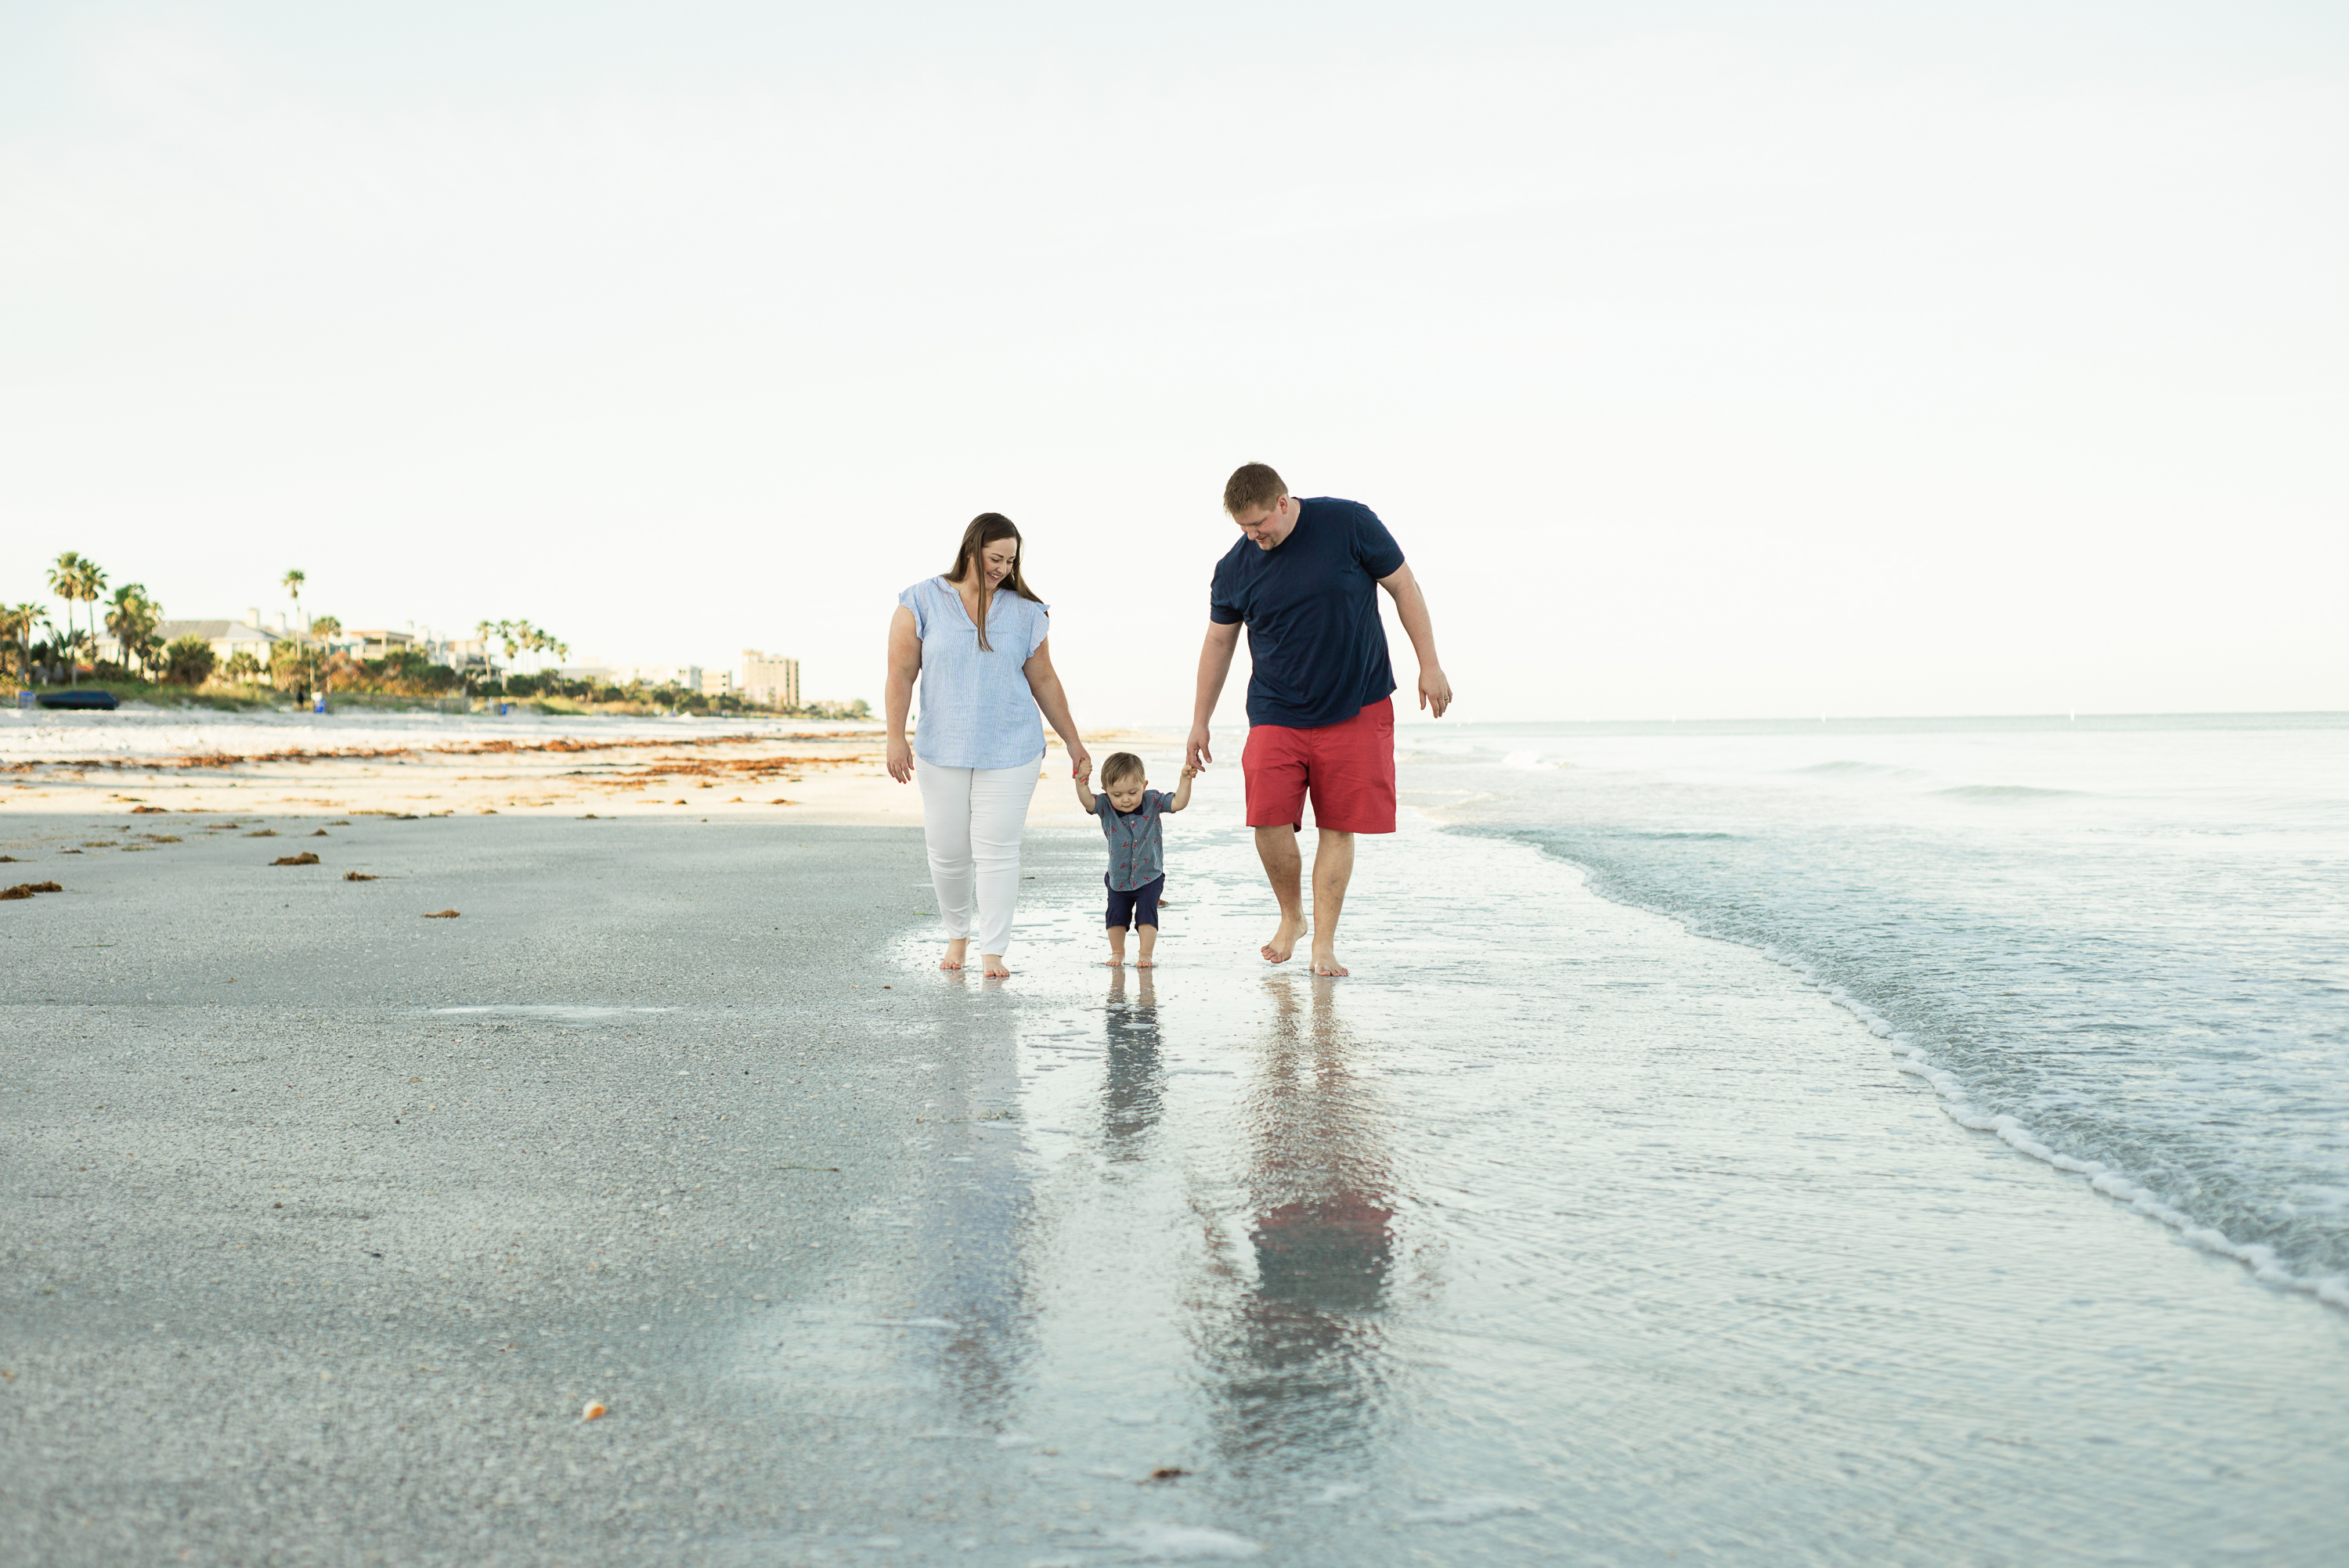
<point x="1126" y="793"/>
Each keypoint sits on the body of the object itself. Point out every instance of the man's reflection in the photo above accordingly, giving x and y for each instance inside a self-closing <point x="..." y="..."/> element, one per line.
<point x="1300" y="1355"/>
<point x="1133" y="1089"/>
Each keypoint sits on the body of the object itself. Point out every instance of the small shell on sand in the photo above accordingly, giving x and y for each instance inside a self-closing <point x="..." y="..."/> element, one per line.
<point x="594" y="1408"/>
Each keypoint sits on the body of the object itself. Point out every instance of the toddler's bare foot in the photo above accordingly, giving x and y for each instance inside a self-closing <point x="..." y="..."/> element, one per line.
<point x="1283" y="939"/>
<point x="953" y="960"/>
<point x="1116" y="961"/>
<point x="994" y="966"/>
<point x="1145" y="964"/>
<point x="1325" y="962"/>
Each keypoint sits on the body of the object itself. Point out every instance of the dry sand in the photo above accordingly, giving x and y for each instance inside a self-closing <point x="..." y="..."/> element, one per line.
<point x="158" y="765"/>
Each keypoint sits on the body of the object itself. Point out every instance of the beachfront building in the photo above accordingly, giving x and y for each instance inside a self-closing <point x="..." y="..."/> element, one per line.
<point x="688" y="677"/>
<point x="228" y="638"/>
<point x="771" y="678"/>
<point x="717" y="682"/>
<point x="470" y="655"/>
<point x="381" y="643"/>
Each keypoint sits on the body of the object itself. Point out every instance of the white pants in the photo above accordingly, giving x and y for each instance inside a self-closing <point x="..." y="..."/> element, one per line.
<point x="972" y="818"/>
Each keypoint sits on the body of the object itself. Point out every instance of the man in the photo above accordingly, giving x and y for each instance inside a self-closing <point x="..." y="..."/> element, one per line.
<point x="1320" y="718"/>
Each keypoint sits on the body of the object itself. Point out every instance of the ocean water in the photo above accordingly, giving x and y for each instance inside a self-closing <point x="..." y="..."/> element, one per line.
<point x="1554" y="1233"/>
<point x="2121" y="944"/>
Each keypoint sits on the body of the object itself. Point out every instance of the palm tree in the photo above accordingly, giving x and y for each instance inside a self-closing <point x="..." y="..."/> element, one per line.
<point x="16" y="623"/>
<point x="93" y="584"/>
<point x="75" y="576"/>
<point x="292" y="583"/>
<point x="321" y="628"/>
<point x="68" y="646"/>
<point x="133" y="620"/>
<point x="64" y="582"/>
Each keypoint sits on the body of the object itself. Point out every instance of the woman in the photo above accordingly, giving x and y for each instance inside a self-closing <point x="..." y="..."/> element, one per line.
<point x="976" y="636"/>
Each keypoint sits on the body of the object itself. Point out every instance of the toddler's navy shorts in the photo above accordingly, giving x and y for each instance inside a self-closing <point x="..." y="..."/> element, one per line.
<point x="1137" y="907"/>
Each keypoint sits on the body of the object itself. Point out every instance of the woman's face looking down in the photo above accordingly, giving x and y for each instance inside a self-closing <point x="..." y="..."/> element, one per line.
<point x="995" y="561"/>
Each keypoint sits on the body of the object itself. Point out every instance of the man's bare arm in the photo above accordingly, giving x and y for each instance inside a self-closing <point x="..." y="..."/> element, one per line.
<point x="1411" y="609"/>
<point x="1215" y="666"/>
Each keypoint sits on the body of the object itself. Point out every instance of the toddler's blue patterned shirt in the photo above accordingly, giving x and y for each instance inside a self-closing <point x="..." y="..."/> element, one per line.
<point x="1137" y="854"/>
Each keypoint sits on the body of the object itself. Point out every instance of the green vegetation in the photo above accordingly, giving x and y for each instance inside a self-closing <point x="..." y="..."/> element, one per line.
<point x="189" y="669"/>
<point x="189" y="661"/>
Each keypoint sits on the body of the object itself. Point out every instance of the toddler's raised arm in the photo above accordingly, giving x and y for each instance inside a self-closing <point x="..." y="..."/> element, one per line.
<point x="1182" y="791"/>
<point x="1083" y="778"/>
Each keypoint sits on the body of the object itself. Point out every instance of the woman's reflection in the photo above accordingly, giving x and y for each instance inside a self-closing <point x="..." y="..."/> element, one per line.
<point x="1299" y="1356"/>
<point x="976" y="1207"/>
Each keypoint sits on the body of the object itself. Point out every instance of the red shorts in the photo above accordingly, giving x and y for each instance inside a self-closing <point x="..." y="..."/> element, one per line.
<point x="1348" y="768"/>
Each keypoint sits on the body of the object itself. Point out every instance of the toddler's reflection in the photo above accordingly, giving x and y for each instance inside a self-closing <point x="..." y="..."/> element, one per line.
<point x="1133" y="1090"/>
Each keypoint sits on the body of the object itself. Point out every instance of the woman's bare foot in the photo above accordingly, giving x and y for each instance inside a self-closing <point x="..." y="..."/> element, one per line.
<point x="994" y="966"/>
<point x="1325" y="962"/>
<point x="954" y="960"/>
<point x="1283" y="939"/>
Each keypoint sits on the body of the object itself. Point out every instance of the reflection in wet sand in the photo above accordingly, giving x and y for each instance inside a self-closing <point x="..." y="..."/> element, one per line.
<point x="975" y="1207"/>
<point x="1133" y="1089"/>
<point x="1490" y="1260"/>
<point x="1298" y="1358"/>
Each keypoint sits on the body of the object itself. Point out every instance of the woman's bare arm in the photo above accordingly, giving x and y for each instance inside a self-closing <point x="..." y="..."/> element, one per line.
<point x="1045" y="682"/>
<point x="905" y="664"/>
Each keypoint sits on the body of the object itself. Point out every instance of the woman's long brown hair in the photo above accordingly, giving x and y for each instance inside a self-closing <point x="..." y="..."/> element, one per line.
<point x="985" y="530"/>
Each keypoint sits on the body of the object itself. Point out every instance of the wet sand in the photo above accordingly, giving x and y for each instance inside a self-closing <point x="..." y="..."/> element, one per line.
<point x="161" y="764"/>
<point x="1561" y="1237"/>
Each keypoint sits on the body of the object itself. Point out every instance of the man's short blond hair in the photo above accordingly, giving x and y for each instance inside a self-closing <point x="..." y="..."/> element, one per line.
<point x="1252" y="488"/>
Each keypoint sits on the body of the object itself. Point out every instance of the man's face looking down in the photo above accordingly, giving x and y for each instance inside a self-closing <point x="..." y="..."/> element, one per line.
<point x="1266" y="526"/>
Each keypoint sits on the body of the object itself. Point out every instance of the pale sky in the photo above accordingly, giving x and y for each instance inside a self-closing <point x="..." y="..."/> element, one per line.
<point x="1707" y="360"/>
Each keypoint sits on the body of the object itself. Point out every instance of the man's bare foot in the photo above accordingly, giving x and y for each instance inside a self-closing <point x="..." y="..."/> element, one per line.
<point x="953" y="960"/>
<point x="994" y="966"/>
<point x="1327" y="963"/>
<point x="1283" y="939"/>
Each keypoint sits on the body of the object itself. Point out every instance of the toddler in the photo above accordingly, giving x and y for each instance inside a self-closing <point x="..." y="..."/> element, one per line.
<point x="1129" y="817"/>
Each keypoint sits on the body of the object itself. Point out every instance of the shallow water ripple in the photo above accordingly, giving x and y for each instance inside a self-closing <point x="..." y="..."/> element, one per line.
<point x="1563" y="1235"/>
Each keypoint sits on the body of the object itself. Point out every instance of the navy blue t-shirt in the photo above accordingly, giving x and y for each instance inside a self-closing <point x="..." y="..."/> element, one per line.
<point x="1310" y="605"/>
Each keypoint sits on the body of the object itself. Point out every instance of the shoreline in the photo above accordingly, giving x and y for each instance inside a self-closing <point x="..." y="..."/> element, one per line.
<point x="2259" y="1261"/>
<point x="1577" y="1235"/>
<point x="831" y="776"/>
